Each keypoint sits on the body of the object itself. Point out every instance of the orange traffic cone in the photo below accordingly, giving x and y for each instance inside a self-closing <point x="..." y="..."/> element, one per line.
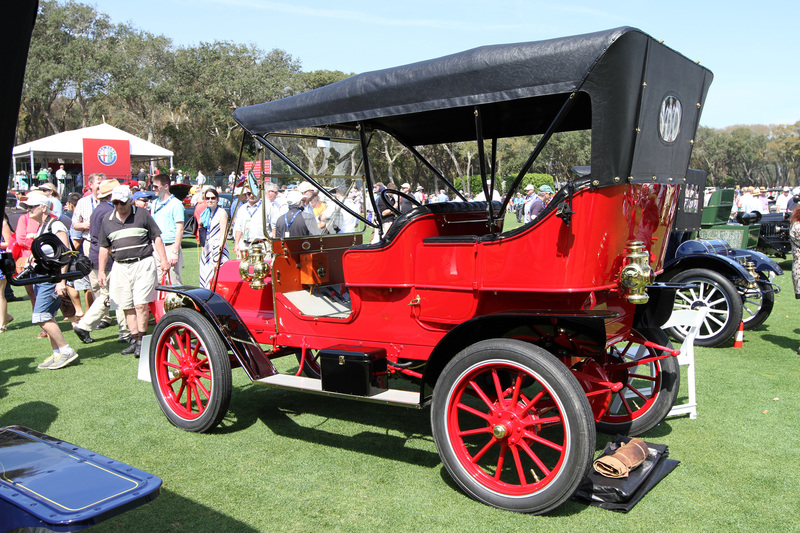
<point x="737" y="343"/>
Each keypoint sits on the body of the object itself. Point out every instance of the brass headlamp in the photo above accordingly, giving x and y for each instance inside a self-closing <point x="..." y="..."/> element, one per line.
<point x="253" y="256"/>
<point x="636" y="275"/>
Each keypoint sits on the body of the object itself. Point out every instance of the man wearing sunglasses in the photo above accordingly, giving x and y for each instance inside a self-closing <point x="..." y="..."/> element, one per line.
<point x="97" y="316"/>
<point x="244" y="223"/>
<point x="129" y="236"/>
<point x="168" y="213"/>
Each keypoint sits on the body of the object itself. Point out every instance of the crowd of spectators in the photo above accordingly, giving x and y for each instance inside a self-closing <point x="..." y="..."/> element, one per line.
<point x="132" y="234"/>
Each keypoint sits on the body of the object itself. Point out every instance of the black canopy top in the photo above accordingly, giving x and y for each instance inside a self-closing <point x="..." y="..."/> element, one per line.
<point x="621" y="80"/>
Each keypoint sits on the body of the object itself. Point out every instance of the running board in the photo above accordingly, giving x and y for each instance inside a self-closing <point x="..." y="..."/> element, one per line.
<point x="388" y="397"/>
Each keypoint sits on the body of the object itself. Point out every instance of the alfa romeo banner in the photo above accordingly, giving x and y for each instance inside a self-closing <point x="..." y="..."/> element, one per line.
<point x="255" y="166"/>
<point x="112" y="157"/>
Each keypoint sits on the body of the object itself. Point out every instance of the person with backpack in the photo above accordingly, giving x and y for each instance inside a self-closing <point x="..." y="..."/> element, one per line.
<point x="48" y="294"/>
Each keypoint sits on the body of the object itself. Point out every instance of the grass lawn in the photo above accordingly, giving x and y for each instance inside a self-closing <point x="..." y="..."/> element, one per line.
<point x="288" y="461"/>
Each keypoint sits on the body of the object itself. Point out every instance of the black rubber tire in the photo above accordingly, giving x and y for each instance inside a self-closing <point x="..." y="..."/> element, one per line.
<point x="210" y="359"/>
<point x="725" y="312"/>
<point x="668" y="371"/>
<point x="757" y="308"/>
<point x="563" y="402"/>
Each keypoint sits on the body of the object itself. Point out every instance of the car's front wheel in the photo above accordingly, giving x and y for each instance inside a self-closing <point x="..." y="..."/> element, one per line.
<point x="190" y="370"/>
<point x="512" y="425"/>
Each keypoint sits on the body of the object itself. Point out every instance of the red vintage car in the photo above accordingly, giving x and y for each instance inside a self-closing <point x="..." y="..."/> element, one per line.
<point x="523" y="342"/>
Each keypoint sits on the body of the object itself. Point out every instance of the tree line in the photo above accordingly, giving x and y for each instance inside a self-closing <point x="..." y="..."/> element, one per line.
<point x="84" y="69"/>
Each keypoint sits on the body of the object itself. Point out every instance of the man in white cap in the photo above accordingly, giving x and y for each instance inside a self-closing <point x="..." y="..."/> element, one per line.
<point x="273" y="206"/>
<point x="129" y="235"/>
<point x="243" y="221"/>
<point x="782" y="201"/>
<point x="419" y="194"/>
<point x="48" y="294"/>
<point x="314" y="205"/>
<point x="61" y="179"/>
<point x="405" y="204"/>
<point x="52" y="194"/>
<point x="530" y="196"/>
<point x="97" y="316"/>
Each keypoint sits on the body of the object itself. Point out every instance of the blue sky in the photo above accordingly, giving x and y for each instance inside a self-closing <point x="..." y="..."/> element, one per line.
<point x="751" y="46"/>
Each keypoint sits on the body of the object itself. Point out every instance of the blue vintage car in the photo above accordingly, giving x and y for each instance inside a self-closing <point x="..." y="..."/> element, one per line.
<point x="734" y="283"/>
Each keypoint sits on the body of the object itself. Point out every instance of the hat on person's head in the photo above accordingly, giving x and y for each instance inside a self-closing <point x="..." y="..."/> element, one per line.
<point x="146" y="195"/>
<point x="405" y="186"/>
<point x="106" y="187"/>
<point x="294" y="197"/>
<point x="756" y="191"/>
<point x="35" y="198"/>
<point x="419" y="187"/>
<point x="785" y="189"/>
<point x="121" y="194"/>
<point x="304" y="187"/>
<point x="530" y="187"/>
<point x="50" y="187"/>
<point x="546" y="188"/>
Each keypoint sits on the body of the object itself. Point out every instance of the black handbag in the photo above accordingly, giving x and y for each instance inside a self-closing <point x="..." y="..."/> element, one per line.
<point x="201" y="235"/>
<point x="80" y="263"/>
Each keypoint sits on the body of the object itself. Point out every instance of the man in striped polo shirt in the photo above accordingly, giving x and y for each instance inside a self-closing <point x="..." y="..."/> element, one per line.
<point x="129" y="236"/>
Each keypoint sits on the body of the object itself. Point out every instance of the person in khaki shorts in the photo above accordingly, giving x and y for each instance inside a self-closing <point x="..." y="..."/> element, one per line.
<point x="96" y="317"/>
<point x="129" y="235"/>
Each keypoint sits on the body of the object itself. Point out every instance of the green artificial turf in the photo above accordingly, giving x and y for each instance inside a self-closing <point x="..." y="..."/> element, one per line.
<point x="288" y="461"/>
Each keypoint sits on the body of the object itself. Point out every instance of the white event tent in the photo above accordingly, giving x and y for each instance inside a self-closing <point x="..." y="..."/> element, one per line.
<point x="69" y="145"/>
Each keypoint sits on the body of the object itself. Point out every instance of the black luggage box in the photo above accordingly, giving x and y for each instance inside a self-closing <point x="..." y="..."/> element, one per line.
<point x="356" y="370"/>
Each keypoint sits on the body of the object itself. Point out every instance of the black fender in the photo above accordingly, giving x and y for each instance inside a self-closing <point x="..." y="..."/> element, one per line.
<point x="231" y="328"/>
<point x="554" y="331"/>
<point x="722" y="264"/>
<point x="763" y="263"/>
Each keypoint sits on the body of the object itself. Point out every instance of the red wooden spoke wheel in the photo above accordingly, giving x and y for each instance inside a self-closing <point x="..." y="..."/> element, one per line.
<point x="650" y="388"/>
<point x="512" y="425"/>
<point x="190" y="370"/>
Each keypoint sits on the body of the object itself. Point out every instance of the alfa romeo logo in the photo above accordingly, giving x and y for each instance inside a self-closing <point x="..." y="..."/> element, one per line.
<point x="107" y="155"/>
<point x="669" y="119"/>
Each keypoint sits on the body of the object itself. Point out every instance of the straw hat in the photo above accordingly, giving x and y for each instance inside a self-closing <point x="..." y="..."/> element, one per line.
<point x="106" y="187"/>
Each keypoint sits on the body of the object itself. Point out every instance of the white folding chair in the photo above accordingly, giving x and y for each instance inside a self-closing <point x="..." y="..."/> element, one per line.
<point x="692" y="319"/>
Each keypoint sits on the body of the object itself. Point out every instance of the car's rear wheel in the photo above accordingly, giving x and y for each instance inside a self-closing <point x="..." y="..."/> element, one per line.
<point x="512" y="425"/>
<point x="190" y="371"/>
<point x="650" y="386"/>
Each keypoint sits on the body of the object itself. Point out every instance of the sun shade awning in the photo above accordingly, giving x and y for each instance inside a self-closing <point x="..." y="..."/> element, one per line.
<point x="519" y="89"/>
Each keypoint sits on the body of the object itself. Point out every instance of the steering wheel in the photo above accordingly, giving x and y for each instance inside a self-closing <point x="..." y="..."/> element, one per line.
<point x="385" y="197"/>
